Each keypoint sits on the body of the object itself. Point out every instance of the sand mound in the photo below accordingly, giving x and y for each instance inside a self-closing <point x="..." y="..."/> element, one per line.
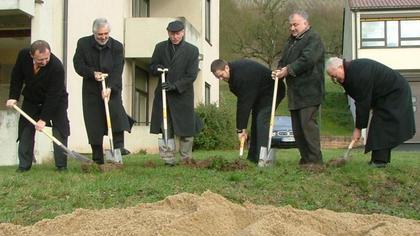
<point x="211" y="214"/>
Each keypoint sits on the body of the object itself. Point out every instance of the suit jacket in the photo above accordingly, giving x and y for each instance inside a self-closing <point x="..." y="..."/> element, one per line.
<point x="90" y="57"/>
<point x="377" y="87"/>
<point x="252" y="84"/>
<point x="45" y="95"/>
<point x="304" y="57"/>
<point x="183" y="69"/>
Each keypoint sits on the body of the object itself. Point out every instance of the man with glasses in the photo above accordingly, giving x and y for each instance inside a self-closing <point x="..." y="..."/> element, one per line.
<point x="39" y="76"/>
<point x="253" y="86"/>
<point x="383" y="104"/>
<point x="95" y="55"/>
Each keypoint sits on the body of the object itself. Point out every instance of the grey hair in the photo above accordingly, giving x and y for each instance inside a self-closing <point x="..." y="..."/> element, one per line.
<point x="99" y="23"/>
<point x="333" y="63"/>
<point x="39" y="45"/>
<point x="301" y="13"/>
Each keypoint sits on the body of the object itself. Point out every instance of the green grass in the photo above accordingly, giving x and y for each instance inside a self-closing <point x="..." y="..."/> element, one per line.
<point x="43" y="193"/>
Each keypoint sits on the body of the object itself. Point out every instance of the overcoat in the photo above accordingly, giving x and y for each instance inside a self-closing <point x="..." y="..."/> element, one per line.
<point x="45" y="95"/>
<point x="90" y="57"/>
<point x="183" y="69"/>
<point x="383" y="90"/>
<point x="304" y="56"/>
<point x="252" y="84"/>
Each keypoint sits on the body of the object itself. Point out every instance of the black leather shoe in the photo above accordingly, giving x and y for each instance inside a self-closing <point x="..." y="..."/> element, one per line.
<point x="378" y="164"/>
<point x="125" y="152"/>
<point x="21" y="170"/>
<point x="61" y="169"/>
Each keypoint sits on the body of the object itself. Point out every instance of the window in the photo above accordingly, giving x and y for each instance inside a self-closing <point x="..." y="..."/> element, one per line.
<point x="390" y="33"/>
<point x="207" y="94"/>
<point x="141" y="97"/>
<point x="207" y="20"/>
<point x="141" y="8"/>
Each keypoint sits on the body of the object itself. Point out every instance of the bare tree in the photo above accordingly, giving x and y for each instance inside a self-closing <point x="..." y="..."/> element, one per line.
<point x="265" y="28"/>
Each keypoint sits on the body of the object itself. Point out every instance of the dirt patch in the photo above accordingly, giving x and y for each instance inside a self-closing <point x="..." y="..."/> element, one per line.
<point x="107" y="167"/>
<point x="217" y="163"/>
<point x="211" y="214"/>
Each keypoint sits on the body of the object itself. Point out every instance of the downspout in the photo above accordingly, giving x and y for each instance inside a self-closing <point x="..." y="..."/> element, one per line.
<point x="355" y="36"/>
<point x="65" y="37"/>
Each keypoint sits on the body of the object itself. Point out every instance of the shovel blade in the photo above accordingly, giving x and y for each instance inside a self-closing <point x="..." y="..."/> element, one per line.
<point x="267" y="157"/>
<point x="167" y="150"/>
<point x="113" y="156"/>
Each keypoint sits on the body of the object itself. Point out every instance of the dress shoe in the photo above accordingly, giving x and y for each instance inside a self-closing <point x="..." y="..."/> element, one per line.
<point x="125" y="152"/>
<point x="21" y="170"/>
<point x="61" y="169"/>
<point x="378" y="164"/>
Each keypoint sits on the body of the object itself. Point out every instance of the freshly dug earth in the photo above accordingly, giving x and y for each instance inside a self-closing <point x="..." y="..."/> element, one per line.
<point x="211" y="214"/>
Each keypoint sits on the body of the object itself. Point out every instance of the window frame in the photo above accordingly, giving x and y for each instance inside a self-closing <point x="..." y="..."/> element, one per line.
<point x="385" y="39"/>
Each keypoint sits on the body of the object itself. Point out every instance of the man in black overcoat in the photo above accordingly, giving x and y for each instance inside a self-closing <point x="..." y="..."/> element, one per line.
<point x="41" y="75"/>
<point x="386" y="95"/>
<point x="181" y="58"/>
<point x="253" y="86"/>
<point x="97" y="54"/>
<point x="302" y="64"/>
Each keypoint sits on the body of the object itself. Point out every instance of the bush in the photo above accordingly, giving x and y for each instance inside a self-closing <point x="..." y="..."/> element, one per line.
<point x="219" y="128"/>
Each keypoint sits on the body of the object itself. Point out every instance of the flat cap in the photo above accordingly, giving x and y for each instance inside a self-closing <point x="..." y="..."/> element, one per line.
<point x="175" y="26"/>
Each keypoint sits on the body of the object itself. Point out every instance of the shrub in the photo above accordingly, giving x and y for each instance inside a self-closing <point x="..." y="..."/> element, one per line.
<point x="219" y="128"/>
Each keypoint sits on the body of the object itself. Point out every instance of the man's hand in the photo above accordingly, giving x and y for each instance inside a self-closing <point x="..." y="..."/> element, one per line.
<point x="106" y="93"/>
<point x="98" y="75"/>
<point x="242" y="134"/>
<point x="168" y="86"/>
<point x="10" y="103"/>
<point x="356" y="134"/>
<point x="40" y="125"/>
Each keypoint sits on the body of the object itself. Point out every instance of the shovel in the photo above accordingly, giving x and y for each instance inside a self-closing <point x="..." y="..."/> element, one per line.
<point x="113" y="155"/>
<point x="166" y="146"/>
<point x="67" y="151"/>
<point x="267" y="154"/>
<point x="342" y="160"/>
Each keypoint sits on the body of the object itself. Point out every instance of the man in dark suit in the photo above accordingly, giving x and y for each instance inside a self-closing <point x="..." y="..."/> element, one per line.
<point x="383" y="93"/>
<point x="181" y="58"/>
<point x="252" y="84"/>
<point x="97" y="54"/>
<point x="302" y="64"/>
<point x="45" y="100"/>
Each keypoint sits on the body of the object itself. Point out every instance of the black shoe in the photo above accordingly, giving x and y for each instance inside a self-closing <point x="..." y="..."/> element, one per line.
<point x="61" y="169"/>
<point x="378" y="164"/>
<point x="125" y="152"/>
<point x="21" y="170"/>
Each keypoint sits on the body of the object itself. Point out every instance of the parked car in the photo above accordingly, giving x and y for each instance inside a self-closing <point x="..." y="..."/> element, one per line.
<point x="283" y="133"/>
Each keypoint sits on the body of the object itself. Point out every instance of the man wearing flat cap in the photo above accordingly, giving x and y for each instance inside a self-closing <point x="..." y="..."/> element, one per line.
<point x="181" y="60"/>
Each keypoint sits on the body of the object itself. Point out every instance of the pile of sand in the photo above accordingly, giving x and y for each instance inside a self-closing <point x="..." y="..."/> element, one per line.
<point x="211" y="214"/>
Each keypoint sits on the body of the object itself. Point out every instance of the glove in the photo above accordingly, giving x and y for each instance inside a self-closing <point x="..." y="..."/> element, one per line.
<point x="168" y="86"/>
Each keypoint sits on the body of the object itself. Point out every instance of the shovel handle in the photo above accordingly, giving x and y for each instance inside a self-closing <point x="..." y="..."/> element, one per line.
<point x="34" y="123"/>
<point x="108" y="116"/>
<point x="351" y="144"/>
<point x="164" y="109"/>
<point x="241" y="146"/>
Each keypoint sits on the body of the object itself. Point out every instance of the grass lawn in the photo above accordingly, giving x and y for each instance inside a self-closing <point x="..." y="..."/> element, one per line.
<point x="43" y="193"/>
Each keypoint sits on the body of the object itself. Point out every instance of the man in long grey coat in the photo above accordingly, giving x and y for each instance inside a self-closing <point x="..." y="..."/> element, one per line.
<point x="97" y="54"/>
<point x="181" y="58"/>
<point x="302" y="64"/>
<point x="379" y="90"/>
